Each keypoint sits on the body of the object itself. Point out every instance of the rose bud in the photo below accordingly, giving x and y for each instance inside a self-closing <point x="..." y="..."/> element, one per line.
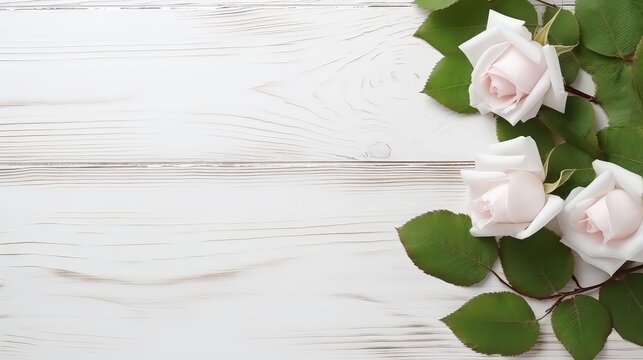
<point x="513" y="76"/>
<point x="506" y="192"/>
<point x="602" y="222"/>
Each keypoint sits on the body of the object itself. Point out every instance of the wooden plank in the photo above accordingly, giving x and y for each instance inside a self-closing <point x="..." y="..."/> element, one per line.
<point x="223" y="84"/>
<point x="39" y="4"/>
<point x="287" y="261"/>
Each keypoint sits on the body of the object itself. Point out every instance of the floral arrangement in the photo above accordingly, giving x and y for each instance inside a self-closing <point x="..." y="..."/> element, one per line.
<point x="560" y="198"/>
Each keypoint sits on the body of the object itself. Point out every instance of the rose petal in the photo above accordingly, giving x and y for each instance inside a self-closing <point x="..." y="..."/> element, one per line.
<point x="552" y="207"/>
<point x="529" y="106"/>
<point x="609" y="254"/>
<point x="478" y="181"/>
<point x="608" y="265"/>
<point x="578" y="218"/>
<point x="476" y="101"/>
<point x="525" y="197"/>
<point x="574" y="193"/>
<point x="497" y="229"/>
<point x="477" y="94"/>
<point x="492" y="205"/>
<point x="587" y="274"/>
<point x="523" y="73"/>
<point x="501" y="87"/>
<point x="603" y="184"/>
<point x="496" y="18"/>
<point x="624" y="215"/>
<point x="485" y="162"/>
<point x="576" y="205"/>
<point x="478" y="45"/>
<point x="637" y="257"/>
<point x="492" y="101"/>
<point x="626" y="180"/>
<point x="597" y="218"/>
<point x="556" y="96"/>
<point x="519" y="153"/>
<point x="623" y="249"/>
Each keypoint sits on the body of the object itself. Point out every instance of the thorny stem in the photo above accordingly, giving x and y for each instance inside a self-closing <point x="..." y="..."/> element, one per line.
<point x="561" y="296"/>
<point x="577" y="92"/>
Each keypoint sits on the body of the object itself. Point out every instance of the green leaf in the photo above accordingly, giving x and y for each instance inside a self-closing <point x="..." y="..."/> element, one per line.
<point x="435" y="4"/>
<point x="614" y="86"/>
<point x="565" y="175"/>
<point x="439" y="243"/>
<point x="569" y="66"/>
<point x="610" y="28"/>
<point x="542" y="35"/>
<point x="495" y="323"/>
<point x="624" y="300"/>
<point x="623" y="146"/>
<point x="564" y="30"/>
<point x="449" y="83"/>
<point x="575" y="126"/>
<point x="566" y="156"/>
<point x="534" y="128"/>
<point x="537" y="266"/>
<point x="582" y="325"/>
<point x="517" y="9"/>
<point x="447" y="28"/>
<point x="637" y="69"/>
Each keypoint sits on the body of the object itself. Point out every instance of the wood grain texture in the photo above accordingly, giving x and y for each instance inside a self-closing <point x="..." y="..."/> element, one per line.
<point x="239" y="261"/>
<point x="223" y="84"/>
<point x="152" y="208"/>
<point x="40" y="4"/>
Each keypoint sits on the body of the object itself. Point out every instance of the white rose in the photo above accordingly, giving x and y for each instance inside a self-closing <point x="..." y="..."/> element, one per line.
<point x="602" y="222"/>
<point x="513" y="76"/>
<point x="506" y="192"/>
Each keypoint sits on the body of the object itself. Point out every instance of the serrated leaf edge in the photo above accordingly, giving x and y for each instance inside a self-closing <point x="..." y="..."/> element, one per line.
<point x="573" y="299"/>
<point x="433" y="8"/>
<point x="470" y="346"/>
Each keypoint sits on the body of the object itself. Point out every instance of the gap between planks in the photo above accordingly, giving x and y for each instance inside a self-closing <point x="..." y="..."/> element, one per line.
<point x="229" y="164"/>
<point x="347" y="176"/>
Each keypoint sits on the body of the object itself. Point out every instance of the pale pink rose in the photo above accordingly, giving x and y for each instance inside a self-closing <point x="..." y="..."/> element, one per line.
<point x="602" y="222"/>
<point x="506" y="192"/>
<point x="513" y="76"/>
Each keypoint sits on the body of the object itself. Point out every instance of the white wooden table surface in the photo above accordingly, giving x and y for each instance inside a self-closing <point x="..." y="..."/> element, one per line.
<point x="221" y="180"/>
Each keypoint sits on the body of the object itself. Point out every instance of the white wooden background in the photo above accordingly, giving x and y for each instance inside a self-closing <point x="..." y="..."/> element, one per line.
<point x="221" y="180"/>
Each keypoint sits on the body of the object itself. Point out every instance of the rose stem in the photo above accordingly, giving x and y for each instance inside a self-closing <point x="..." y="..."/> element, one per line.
<point x="581" y="289"/>
<point x="576" y="281"/>
<point x="551" y="308"/>
<point x="562" y="295"/>
<point x="582" y="94"/>
<point x="506" y="283"/>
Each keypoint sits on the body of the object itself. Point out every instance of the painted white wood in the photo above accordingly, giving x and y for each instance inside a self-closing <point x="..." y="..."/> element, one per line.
<point x="18" y="4"/>
<point x="240" y="261"/>
<point x="150" y="209"/>
<point x="223" y="84"/>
